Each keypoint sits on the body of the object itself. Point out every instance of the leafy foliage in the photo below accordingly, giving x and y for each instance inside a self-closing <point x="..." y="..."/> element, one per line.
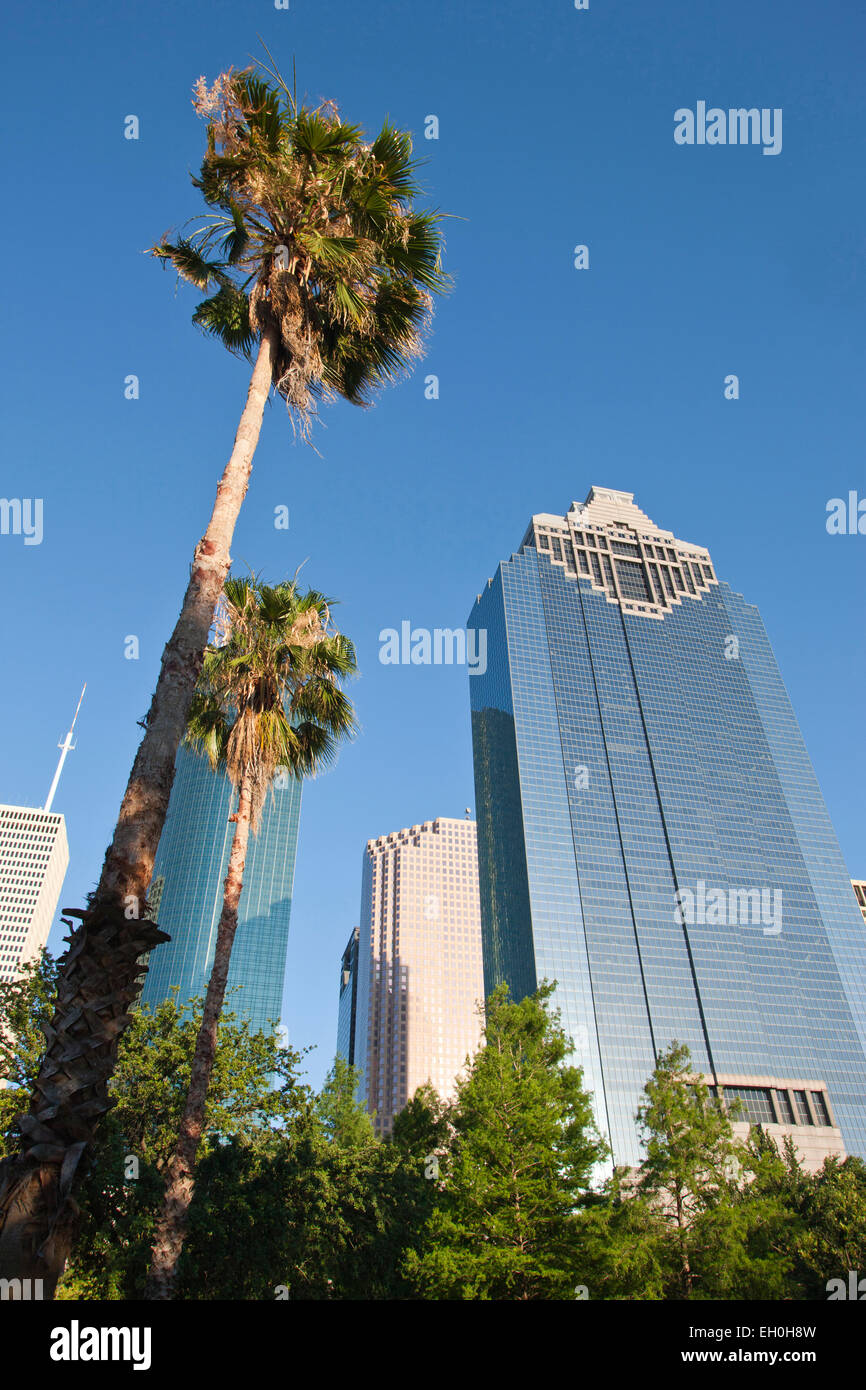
<point x="423" y="1128"/>
<point x="314" y="1219"/>
<point x="254" y="1092"/>
<point x="313" y="235"/>
<point x="269" y="695"/>
<point x="26" y="1004"/>
<point x="706" y="1217"/>
<point x="505" y="1223"/>
<point x="343" y="1118"/>
<point x="296" y="1198"/>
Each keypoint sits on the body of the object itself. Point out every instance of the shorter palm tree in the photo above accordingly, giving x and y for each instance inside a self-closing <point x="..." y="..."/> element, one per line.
<point x="269" y="697"/>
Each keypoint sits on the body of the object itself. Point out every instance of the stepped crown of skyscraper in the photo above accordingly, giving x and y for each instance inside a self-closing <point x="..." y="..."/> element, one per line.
<point x="625" y="555"/>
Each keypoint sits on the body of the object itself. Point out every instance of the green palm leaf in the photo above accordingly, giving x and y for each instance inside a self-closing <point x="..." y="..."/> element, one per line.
<point x="190" y="263"/>
<point x="319" y="239"/>
<point x="226" y="315"/>
<point x="271" y="695"/>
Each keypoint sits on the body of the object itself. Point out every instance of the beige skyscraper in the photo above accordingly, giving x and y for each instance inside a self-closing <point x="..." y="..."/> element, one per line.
<point x="420" y="976"/>
<point x="859" y="886"/>
<point x="34" y="857"/>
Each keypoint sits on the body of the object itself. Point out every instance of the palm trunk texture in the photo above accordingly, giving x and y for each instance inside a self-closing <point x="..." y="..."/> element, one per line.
<point x="171" y="1227"/>
<point x="102" y="969"/>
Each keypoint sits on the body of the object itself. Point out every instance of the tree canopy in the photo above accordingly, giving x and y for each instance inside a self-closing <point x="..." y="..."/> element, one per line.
<point x="495" y="1195"/>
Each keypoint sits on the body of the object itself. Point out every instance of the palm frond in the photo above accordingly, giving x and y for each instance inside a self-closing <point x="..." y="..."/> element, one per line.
<point x="237" y="240"/>
<point x="350" y="293"/>
<point x="316" y="137"/>
<point x="262" y="110"/>
<point x="270" y="695"/>
<point x="340" y="252"/>
<point x="226" y="315"/>
<point x="190" y="263"/>
<point x="207" y="728"/>
<point x="392" y="150"/>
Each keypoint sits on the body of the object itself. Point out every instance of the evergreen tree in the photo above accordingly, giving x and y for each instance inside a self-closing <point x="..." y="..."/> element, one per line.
<point x="423" y="1128"/>
<point x="813" y="1223"/>
<point x="524" y="1148"/>
<point x="690" y="1153"/>
<point x="341" y="1114"/>
<point x="696" y="1225"/>
<point x="625" y="1250"/>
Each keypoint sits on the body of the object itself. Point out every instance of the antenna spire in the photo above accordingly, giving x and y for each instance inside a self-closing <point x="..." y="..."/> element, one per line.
<point x="65" y="747"/>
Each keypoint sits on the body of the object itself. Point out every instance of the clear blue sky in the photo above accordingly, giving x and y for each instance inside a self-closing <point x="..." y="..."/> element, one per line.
<point x="556" y="128"/>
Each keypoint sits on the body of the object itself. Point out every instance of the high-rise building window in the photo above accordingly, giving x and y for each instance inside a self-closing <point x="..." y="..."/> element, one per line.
<point x="632" y="581"/>
<point x="821" y="1110"/>
<point x="755" y="1104"/>
<point x="804" y="1116"/>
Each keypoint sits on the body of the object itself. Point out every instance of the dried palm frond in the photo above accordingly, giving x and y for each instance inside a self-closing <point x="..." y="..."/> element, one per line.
<point x="314" y="234"/>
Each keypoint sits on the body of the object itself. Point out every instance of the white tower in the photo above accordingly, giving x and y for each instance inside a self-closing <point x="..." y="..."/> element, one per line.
<point x="34" y="856"/>
<point x="65" y="747"/>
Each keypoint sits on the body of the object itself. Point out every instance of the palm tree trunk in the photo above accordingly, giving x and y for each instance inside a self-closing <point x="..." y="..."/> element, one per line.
<point x="171" y="1227"/>
<point x="102" y="969"/>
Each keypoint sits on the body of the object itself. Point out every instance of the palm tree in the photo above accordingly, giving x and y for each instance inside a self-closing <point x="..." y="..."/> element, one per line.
<point x="268" y="698"/>
<point x="320" y="270"/>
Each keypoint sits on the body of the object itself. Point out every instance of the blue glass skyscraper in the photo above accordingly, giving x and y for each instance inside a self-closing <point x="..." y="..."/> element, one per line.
<point x="189" y="872"/>
<point x="348" y="999"/>
<point x="651" y="833"/>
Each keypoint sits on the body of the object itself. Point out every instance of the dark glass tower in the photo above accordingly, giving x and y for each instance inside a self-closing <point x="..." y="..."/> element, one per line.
<point x="189" y="873"/>
<point x="651" y="833"/>
<point x="348" y="999"/>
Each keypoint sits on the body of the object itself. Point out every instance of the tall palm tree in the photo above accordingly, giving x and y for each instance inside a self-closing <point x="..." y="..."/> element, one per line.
<point x="320" y="270"/>
<point x="268" y="698"/>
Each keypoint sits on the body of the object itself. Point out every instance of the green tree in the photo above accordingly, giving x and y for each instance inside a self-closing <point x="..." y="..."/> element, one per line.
<point x="288" y="1195"/>
<point x="505" y="1223"/>
<point x="295" y="1215"/>
<point x="321" y="1209"/>
<point x="26" y="1007"/>
<point x="319" y="268"/>
<point x="624" y="1249"/>
<point x="690" y="1151"/>
<point x="254" y="1093"/>
<point x="423" y="1127"/>
<point x="269" y="699"/>
<point x="832" y="1241"/>
<point x="697" y="1226"/>
<point x="814" y="1223"/>
<point x="338" y="1110"/>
